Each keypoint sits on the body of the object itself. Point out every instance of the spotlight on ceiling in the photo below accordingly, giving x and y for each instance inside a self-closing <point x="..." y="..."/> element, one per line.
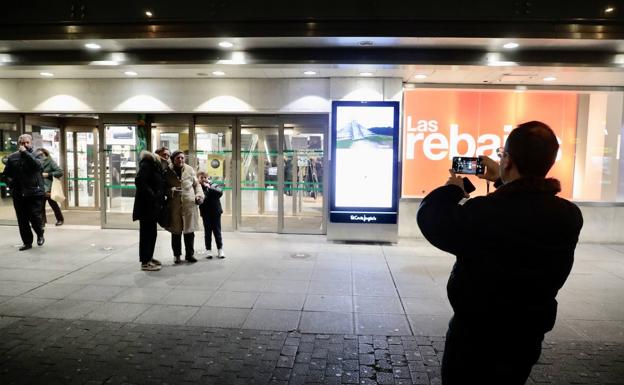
<point x="130" y="73"/>
<point x="420" y="76"/>
<point x="93" y="46"/>
<point x="366" y="74"/>
<point x="511" y="45"/>
<point x="549" y="79"/>
<point x="148" y="13"/>
<point x="46" y="74"/>
<point x="218" y="73"/>
<point x="309" y="73"/>
<point x="226" y="44"/>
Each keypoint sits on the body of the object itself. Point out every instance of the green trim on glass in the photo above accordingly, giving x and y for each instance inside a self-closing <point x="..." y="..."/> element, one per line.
<point x="2" y="184"/>
<point x="81" y="178"/>
<point x="259" y="152"/>
<point x="304" y="151"/>
<point x="120" y="187"/>
<point x="257" y="189"/>
<point x="224" y="152"/>
<point x="302" y="189"/>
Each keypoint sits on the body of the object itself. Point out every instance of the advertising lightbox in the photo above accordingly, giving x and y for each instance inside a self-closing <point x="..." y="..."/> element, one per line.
<point x="440" y="124"/>
<point x="364" y="151"/>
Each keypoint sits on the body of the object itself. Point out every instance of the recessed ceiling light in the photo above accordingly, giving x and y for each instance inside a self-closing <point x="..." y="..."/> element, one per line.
<point x="366" y="74"/>
<point x="420" y="76"/>
<point x="549" y="79"/>
<point x="609" y="9"/>
<point x="218" y="73"/>
<point x="104" y="63"/>
<point x="309" y="73"/>
<point x="148" y="13"/>
<point x="46" y="74"/>
<point x="511" y="45"/>
<point x="130" y="73"/>
<point x="226" y="44"/>
<point x="93" y="46"/>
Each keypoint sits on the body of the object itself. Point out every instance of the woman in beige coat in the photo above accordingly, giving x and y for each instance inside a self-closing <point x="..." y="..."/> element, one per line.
<point x="184" y="194"/>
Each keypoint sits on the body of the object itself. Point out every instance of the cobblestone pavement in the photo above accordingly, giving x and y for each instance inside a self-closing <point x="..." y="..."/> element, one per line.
<point x="51" y="351"/>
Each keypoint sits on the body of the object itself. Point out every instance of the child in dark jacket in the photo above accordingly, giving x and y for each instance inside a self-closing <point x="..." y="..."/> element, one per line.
<point x="211" y="211"/>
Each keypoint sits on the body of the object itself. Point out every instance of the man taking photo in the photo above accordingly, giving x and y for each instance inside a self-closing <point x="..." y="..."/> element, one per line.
<point x="514" y="250"/>
<point x="23" y="174"/>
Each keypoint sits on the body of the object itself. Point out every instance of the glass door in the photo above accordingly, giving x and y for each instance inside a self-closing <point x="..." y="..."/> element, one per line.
<point x="120" y="170"/>
<point x="259" y="155"/>
<point x="213" y="141"/>
<point x="8" y="145"/>
<point x="82" y="169"/>
<point x="305" y="140"/>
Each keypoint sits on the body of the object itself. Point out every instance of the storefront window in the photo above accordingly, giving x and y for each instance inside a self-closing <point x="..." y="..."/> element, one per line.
<point x="442" y="123"/>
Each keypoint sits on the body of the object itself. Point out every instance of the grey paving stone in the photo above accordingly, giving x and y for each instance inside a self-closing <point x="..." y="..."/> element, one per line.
<point x="426" y="325"/>
<point x="233" y="299"/>
<point x="326" y="322"/>
<point x="117" y="312"/>
<point x="148" y="295"/>
<point x="22" y="306"/>
<point x="285" y="286"/>
<point x="219" y="317"/>
<point x="97" y="293"/>
<point x="331" y="303"/>
<point x="377" y="305"/>
<point x="382" y="324"/>
<point x="167" y="315"/>
<point x="331" y="287"/>
<point x="262" y="319"/>
<point x="53" y="291"/>
<point x="279" y="301"/>
<point x="67" y="309"/>
<point x="186" y="297"/>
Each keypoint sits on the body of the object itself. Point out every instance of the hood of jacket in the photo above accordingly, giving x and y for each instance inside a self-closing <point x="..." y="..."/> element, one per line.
<point x="530" y="185"/>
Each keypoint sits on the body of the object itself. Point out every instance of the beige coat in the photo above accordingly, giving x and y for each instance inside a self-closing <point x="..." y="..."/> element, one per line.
<point x="184" y="210"/>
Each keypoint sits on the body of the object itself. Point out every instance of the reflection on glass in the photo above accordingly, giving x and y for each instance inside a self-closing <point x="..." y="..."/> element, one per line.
<point x="259" y="203"/>
<point x="8" y="145"/>
<point x="121" y="168"/>
<point x="303" y="178"/>
<point x="214" y="156"/>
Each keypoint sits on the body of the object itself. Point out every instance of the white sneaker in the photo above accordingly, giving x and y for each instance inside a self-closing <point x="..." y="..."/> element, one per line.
<point x="220" y="254"/>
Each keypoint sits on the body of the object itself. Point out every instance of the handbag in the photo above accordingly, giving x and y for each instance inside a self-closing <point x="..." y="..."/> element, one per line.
<point x="56" y="192"/>
<point x="164" y="215"/>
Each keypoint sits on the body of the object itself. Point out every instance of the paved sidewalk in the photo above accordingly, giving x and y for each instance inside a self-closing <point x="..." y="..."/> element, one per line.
<point x="83" y="293"/>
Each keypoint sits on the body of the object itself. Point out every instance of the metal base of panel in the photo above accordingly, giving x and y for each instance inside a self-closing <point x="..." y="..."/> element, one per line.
<point x="363" y="232"/>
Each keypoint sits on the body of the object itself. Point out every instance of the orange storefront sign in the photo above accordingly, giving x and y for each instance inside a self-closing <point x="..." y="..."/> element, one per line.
<point x="440" y="124"/>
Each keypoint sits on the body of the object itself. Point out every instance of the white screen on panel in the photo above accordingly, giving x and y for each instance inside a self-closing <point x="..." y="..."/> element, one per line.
<point x="364" y="157"/>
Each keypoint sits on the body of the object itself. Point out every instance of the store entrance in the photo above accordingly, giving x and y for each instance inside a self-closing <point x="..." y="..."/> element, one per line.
<point x="281" y="163"/>
<point x="82" y="175"/>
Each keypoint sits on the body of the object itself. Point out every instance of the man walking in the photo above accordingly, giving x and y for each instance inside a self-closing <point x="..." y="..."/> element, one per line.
<point x="514" y="250"/>
<point x="23" y="173"/>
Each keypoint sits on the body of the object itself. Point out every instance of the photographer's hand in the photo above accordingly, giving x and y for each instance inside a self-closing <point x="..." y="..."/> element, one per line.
<point x="457" y="181"/>
<point x="491" y="169"/>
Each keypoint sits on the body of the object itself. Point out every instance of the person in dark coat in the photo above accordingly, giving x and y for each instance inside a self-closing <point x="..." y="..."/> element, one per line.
<point x="148" y="202"/>
<point x="51" y="170"/>
<point x="23" y="176"/>
<point x="514" y="250"/>
<point x="211" y="211"/>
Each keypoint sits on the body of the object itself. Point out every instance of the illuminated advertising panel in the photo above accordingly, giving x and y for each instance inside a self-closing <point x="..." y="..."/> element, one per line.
<point x="365" y="158"/>
<point x="440" y="124"/>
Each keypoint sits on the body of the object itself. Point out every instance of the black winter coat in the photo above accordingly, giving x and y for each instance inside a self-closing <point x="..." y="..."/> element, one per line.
<point x="211" y="206"/>
<point x="23" y="174"/>
<point x="514" y="250"/>
<point x="150" y="188"/>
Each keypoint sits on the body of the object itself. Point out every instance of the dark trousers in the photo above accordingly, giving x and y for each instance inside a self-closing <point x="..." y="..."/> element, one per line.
<point x="147" y="239"/>
<point x="55" y="207"/>
<point x="212" y="225"/>
<point x="176" y="244"/>
<point x="28" y="211"/>
<point x="508" y="355"/>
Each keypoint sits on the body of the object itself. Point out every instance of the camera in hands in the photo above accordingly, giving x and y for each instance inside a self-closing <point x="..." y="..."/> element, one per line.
<point x="468" y="165"/>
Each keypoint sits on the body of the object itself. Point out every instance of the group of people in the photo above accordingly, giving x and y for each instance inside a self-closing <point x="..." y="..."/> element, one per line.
<point x="170" y="193"/>
<point x="29" y="174"/>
